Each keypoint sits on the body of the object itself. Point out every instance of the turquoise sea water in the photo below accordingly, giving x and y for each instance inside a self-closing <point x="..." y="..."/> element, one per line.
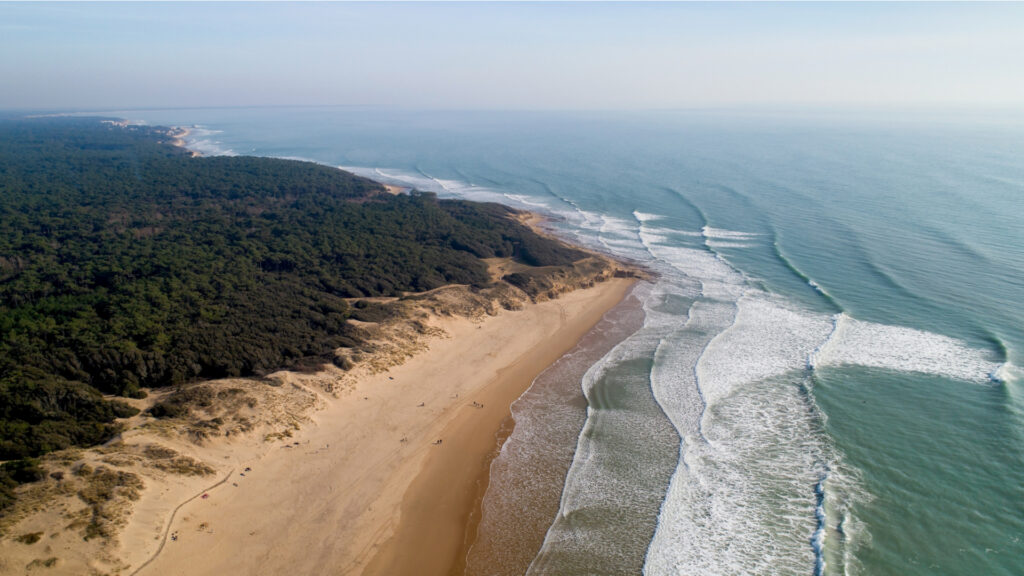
<point x="827" y="378"/>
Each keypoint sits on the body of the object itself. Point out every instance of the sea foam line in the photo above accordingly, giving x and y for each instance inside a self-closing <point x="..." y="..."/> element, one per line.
<point x="860" y="343"/>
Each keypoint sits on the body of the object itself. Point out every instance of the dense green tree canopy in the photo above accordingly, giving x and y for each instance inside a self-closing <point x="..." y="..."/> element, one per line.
<point x="125" y="262"/>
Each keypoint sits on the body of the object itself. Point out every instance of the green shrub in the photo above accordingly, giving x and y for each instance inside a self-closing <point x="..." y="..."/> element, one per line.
<point x="29" y="538"/>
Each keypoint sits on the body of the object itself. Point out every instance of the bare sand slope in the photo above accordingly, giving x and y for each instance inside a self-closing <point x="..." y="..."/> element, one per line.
<point x="336" y="499"/>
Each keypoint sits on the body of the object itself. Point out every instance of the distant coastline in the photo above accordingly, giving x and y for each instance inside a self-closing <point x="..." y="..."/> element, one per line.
<point x="179" y="137"/>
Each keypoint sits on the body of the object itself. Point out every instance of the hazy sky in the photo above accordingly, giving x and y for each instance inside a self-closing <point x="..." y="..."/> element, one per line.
<point x="523" y="56"/>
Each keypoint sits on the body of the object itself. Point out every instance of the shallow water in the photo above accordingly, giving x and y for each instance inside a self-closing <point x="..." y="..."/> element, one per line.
<point x="518" y="508"/>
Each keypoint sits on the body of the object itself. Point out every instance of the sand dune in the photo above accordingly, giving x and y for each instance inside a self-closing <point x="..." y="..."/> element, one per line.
<point x="335" y="498"/>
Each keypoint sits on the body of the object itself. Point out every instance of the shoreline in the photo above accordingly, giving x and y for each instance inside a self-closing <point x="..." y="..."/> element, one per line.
<point x="178" y="136"/>
<point x="442" y="506"/>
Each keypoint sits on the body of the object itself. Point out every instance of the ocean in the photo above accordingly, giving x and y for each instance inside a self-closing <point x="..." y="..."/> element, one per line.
<point x="824" y="375"/>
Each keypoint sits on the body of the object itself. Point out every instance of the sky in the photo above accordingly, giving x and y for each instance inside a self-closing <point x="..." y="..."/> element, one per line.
<point x="561" y="56"/>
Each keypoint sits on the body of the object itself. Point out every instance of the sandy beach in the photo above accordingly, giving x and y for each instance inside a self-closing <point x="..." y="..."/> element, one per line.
<point x="384" y="478"/>
<point x="392" y="189"/>
<point x="179" y="137"/>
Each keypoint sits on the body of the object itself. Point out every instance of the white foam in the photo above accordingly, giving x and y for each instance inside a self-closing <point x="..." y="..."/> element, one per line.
<point x="1007" y="372"/>
<point x="300" y="159"/>
<point x="861" y="343"/>
<point x="392" y="177"/>
<point x="722" y="233"/>
<point x="730" y="509"/>
<point x="451" y="185"/>
<point x="718" y="238"/>
<point x="651" y="223"/>
<point x="645" y="217"/>
<point x="203" y="140"/>
<point x="443" y="188"/>
<point x="673" y="378"/>
<point x="717" y="244"/>
<point x="743" y="502"/>
<point x="524" y="200"/>
<point x="619" y="227"/>
<point x="767" y="339"/>
<point x="617" y="235"/>
<point x="385" y="177"/>
<point x="718" y="279"/>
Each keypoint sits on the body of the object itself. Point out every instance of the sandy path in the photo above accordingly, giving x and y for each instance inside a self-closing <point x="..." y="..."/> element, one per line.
<point x="167" y="531"/>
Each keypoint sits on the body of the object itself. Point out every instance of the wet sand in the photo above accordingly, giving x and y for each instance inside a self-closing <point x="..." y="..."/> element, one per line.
<point x="440" y="509"/>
